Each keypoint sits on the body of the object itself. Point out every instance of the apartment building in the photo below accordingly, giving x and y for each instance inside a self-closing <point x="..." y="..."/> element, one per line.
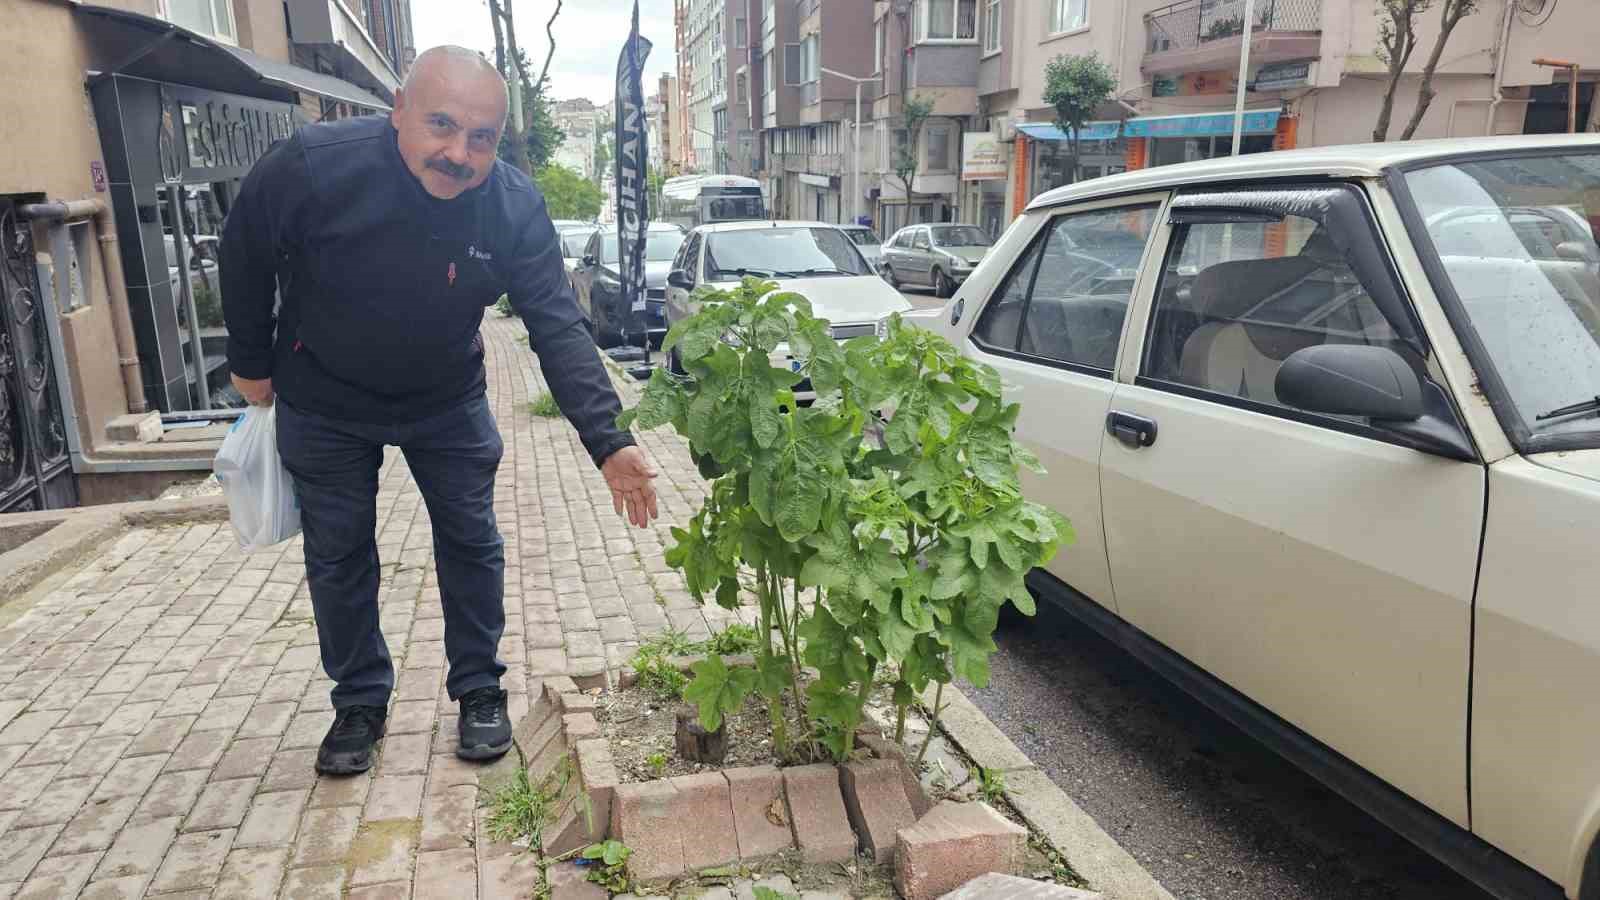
<point x="1314" y="79"/>
<point x="151" y="110"/>
<point x="664" y="131"/>
<point x="713" y="36"/>
<point x="804" y="113"/>
<point x="577" y="118"/>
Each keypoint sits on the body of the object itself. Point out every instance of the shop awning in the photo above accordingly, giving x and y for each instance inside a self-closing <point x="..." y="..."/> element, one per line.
<point x="1256" y="121"/>
<point x="141" y="46"/>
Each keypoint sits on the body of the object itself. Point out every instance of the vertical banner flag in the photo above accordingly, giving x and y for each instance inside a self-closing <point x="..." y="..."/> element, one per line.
<point x="631" y="156"/>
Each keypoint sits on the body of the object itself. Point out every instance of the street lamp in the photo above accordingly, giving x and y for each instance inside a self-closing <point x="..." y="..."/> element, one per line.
<point x="855" y="143"/>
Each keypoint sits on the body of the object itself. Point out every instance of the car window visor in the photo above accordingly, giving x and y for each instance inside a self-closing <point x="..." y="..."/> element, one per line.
<point x="1342" y="212"/>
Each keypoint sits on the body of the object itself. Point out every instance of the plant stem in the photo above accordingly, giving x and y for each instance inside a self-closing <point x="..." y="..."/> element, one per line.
<point x="780" y="731"/>
<point x="933" y="722"/>
<point x="861" y="703"/>
<point x="899" y="724"/>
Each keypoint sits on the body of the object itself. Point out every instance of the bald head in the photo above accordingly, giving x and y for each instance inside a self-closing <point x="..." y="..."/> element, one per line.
<point x="449" y="114"/>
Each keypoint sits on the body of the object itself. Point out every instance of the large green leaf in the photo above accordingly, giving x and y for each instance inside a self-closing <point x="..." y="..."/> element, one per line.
<point x="718" y="690"/>
<point x="831" y="648"/>
<point x="969" y="652"/>
<point x="895" y="634"/>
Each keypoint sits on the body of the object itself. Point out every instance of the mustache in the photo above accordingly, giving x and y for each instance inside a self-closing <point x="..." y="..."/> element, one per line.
<point x="446" y="167"/>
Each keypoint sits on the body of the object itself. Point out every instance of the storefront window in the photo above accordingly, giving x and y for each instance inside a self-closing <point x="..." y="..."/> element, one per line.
<point x="1052" y="162"/>
<point x="1166" y="151"/>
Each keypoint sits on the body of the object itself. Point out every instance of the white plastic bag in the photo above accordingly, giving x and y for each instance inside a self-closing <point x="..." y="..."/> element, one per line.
<point x="261" y="499"/>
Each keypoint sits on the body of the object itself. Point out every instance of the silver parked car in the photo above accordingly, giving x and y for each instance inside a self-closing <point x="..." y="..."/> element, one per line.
<point x="868" y="242"/>
<point x="936" y="256"/>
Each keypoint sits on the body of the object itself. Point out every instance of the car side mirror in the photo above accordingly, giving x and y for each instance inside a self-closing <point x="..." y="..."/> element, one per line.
<point x="1351" y="380"/>
<point x="1576" y="251"/>
<point x="678" y="278"/>
<point x="588" y="260"/>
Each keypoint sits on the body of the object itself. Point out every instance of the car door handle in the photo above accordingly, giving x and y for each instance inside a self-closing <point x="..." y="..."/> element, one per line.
<point x="1135" y="431"/>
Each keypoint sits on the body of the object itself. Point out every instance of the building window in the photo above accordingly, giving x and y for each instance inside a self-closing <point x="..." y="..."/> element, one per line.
<point x="740" y="39"/>
<point x="1068" y="15"/>
<point x="950" y="20"/>
<point x="938" y="148"/>
<point x="793" y="73"/>
<point x="991" y="26"/>
<point x="208" y="17"/>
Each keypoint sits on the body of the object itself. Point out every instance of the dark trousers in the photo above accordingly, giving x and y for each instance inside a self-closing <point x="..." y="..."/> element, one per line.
<point x="453" y="458"/>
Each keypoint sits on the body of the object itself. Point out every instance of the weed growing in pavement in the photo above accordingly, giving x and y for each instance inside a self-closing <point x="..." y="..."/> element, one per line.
<point x="609" y="865"/>
<point x="545" y="406"/>
<point x="991" y="785"/>
<point x="672" y="642"/>
<point x="765" y="893"/>
<point x="658" y="674"/>
<point x="736" y="639"/>
<point x="521" y="809"/>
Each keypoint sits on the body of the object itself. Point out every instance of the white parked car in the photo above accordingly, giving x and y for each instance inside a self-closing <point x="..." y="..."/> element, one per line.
<point x="1335" y="469"/>
<point x="815" y="260"/>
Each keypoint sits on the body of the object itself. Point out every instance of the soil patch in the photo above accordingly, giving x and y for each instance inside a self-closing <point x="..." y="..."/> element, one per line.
<point x="641" y="728"/>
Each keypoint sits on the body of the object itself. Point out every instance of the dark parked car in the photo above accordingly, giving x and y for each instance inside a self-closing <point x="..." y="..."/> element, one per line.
<point x="596" y="280"/>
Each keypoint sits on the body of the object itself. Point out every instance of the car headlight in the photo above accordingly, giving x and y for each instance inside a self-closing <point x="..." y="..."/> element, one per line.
<point x="957" y="262"/>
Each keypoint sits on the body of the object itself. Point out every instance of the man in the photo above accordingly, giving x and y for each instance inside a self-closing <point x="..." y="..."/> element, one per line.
<point x="385" y="239"/>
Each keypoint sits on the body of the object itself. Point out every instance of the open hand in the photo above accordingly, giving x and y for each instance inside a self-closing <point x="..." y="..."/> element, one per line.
<point x="630" y="475"/>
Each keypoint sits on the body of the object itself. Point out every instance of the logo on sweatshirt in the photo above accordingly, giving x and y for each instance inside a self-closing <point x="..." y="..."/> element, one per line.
<point x="451" y="275"/>
<point x="475" y="253"/>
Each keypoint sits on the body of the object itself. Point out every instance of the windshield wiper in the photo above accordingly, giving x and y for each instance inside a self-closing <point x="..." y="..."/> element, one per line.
<point x="1587" y="406"/>
<point x="806" y="273"/>
<point x="754" y="273"/>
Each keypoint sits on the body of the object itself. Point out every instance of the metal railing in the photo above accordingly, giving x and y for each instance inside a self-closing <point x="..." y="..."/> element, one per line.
<point x="1193" y="23"/>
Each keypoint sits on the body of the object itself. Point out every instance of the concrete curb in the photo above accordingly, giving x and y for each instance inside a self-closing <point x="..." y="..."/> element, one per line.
<point x="1046" y="808"/>
<point x="74" y="533"/>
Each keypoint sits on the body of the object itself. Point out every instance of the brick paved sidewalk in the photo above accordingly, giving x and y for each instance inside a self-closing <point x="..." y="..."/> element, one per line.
<point x="160" y="708"/>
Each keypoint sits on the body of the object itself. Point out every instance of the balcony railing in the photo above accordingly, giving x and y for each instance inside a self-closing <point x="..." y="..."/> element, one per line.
<point x="1194" y="23"/>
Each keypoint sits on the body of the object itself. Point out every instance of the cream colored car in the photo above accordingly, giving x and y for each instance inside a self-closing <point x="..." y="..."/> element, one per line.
<point x="1339" y="481"/>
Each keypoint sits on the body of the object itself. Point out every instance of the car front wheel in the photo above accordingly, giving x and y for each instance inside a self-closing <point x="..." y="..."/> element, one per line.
<point x="943" y="285"/>
<point x="888" y="275"/>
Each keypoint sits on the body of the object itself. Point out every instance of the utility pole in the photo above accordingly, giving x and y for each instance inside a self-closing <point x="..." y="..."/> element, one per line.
<point x="855" y="140"/>
<point x="1572" y="88"/>
<point x="1244" y="74"/>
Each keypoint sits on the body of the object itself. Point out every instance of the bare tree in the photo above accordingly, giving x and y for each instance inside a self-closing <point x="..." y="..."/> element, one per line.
<point x="512" y="64"/>
<point x="1454" y="11"/>
<point x="1397" y="41"/>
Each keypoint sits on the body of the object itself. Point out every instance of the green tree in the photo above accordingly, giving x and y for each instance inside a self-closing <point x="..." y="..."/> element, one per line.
<point x="1076" y="86"/>
<point x="541" y="136"/>
<point x="914" y="113"/>
<point x="1397" y="40"/>
<point x="568" y="195"/>
<point x="602" y="154"/>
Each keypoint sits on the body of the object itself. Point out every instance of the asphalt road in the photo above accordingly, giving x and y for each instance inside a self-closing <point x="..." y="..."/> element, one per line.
<point x="1211" y="813"/>
<point x="921" y="299"/>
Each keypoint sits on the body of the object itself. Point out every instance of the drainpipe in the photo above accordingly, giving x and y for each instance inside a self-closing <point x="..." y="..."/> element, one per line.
<point x="116" y="289"/>
<point x="1502" y="44"/>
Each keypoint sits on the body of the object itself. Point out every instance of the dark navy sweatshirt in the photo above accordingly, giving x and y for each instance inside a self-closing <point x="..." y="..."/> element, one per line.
<point x="384" y="286"/>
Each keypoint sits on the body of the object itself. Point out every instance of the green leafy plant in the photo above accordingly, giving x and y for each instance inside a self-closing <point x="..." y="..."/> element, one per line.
<point x="991" y="785"/>
<point x="881" y="526"/>
<point x="734" y="640"/>
<point x="1076" y="86"/>
<point x="657" y="673"/>
<point x="657" y="763"/>
<point x="609" y="867"/>
<point x="765" y="893"/>
<point x="545" y="406"/>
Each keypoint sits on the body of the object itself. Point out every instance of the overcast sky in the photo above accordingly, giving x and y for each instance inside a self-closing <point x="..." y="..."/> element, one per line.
<point x="589" y="36"/>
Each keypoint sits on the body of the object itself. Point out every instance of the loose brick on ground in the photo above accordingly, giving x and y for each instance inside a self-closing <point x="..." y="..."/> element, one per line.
<point x="816" y="807"/>
<point x="951" y="845"/>
<point x="875" y="797"/>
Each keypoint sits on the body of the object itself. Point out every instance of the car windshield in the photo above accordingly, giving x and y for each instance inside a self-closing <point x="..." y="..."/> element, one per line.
<point x="863" y="237"/>
<point x="958" y="236"/>
<point x="659" y="246"/>
<point x="1516" y="238"/>
<point x="573" y="242"/>
<point x="782" y="253"/>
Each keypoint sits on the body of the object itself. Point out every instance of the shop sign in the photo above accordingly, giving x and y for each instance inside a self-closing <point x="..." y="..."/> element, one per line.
<point x="983" y="157"/>
<point x="1283" y="76"/>
<point x="1262" y="121"/>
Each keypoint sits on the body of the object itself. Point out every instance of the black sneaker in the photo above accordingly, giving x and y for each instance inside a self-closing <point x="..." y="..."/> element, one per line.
<point x="484" y="726"/>
<point x="347" y="748"/>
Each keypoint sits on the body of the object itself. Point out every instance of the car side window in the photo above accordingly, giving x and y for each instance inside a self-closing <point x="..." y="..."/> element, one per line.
<point x="691" y="259"/>
<point x="1066" y="299"/>
<point x="1236" y="299"/>
<point x="997" y="328"/>
<point x="919" y="239"/>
